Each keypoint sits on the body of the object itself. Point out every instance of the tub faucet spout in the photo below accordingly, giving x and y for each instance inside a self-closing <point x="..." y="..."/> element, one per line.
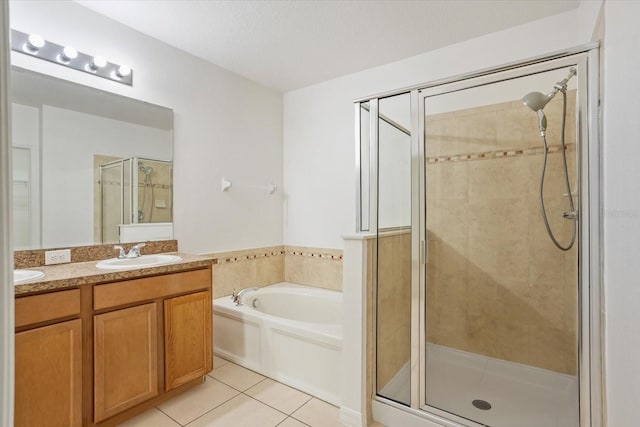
<point x="237" y="297"/>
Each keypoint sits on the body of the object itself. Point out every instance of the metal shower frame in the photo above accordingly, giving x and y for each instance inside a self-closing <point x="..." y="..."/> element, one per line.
<point x="590" y="348"/>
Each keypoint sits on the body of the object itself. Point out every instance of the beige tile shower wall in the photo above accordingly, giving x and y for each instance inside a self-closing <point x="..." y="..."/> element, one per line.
<point x="247" y="268"/>
<point x="317" y="267"/>
<point x="497" y="285"/>
<point x="394" y="305"/>
<point x="161" y="177"/>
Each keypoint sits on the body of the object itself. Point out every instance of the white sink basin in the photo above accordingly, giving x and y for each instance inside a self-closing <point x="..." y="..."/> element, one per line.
<point x="20" y="276"/>
<point x="139" y="262"/>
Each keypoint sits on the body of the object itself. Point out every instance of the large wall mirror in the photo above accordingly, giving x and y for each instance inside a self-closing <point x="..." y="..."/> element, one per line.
<point x="89" y="167"/>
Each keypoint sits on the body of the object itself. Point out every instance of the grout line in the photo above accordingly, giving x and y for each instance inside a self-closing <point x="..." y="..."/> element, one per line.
<point x="291" y="416"/>
<point x="241" y="391"/>
<point x="278" y="382"/>
<point x="212" y="409"/>
<point x="305" y="402"/>
<point x="268" y="406"/>
<point x="273" y="407"/>
<point x="304" y="424"/>
<point x="259" y="382"/>
<point x="169" y="416"/>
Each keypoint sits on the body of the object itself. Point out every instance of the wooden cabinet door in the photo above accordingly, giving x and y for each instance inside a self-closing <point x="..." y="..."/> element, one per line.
<point x="125" y="359"/>
<point x="48" y="384"/>
<point x="187" y="328"/>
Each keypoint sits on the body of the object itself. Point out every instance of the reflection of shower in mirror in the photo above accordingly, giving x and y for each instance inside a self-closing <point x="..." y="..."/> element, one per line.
<point x="134" y="192"/>
<point x="147" y="183"/>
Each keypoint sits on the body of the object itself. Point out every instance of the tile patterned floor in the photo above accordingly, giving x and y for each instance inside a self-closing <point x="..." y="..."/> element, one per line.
<point x="233" y="396"/>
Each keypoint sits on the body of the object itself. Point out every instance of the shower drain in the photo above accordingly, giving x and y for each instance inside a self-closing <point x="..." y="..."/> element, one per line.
<point x="481" y="404"/>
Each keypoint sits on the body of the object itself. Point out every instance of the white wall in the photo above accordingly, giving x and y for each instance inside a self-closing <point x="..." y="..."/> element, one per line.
<point x="69" y="142"/>
<point x="25" y="133"/>
<point x="225" y="125"/>
<point x="622" y="210"/>
<point x="319" y="147"/>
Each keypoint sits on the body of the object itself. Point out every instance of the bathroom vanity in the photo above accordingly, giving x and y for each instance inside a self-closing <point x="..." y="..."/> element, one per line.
<point x="94" y="348"/>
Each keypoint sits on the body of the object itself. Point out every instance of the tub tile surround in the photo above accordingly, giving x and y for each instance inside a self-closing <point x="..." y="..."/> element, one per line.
<point x="317" y="267"/>
<point x="247" y="268"/>
<point x="265" y="403"/>
<point x="497" y="284"/>
<point x="261" y="267"/>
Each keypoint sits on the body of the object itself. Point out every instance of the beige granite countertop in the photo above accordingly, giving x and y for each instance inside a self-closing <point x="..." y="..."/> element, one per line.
<point x="85" y="273"/>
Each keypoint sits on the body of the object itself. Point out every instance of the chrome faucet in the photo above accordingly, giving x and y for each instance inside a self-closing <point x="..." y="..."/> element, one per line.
<point x="120" y="249"/>
<point x="237" y="297"/>
<point x="134" y="252"/>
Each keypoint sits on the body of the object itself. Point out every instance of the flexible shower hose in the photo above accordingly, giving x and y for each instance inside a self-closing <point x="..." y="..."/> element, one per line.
<point x="566" y="181"/>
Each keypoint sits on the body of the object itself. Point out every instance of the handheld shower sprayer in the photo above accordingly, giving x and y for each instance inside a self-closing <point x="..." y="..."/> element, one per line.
<point x="537" y="101"/>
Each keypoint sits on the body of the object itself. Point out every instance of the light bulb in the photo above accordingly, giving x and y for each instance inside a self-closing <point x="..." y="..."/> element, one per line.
<point x="123" y="71"/>
<point x="34" y="42"/>
<point x="98" y="62"/>
<point x="68" y="54"/>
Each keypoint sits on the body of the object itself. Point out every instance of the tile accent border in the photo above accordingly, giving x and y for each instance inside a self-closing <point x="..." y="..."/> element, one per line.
<point x="292" y="251"/>
<point x="250" y="254"/>
<point x="497" y="154"/>
<point x="261" y="253"/>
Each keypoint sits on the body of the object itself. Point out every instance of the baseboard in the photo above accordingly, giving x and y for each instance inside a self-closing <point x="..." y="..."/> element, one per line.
<point x="351" y="418"/>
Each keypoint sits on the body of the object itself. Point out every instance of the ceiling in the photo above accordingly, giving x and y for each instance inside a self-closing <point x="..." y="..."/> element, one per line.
<point x="291" y="44"/>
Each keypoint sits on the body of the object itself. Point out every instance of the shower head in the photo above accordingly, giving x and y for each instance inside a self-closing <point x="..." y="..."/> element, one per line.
<point x="536" y="100"/>
<point x="145" y="169"/>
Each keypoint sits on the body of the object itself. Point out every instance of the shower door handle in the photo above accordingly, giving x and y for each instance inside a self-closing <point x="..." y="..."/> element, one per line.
<point x="570" y="215"/>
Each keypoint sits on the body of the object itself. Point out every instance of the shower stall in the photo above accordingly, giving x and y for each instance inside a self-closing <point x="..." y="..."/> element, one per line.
<point x="133" y="191"/>
<point x="483" y="193"/>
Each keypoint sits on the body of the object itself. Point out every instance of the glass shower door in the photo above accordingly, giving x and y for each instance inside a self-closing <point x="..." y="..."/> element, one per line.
<point x="501" y="297"/>
<point x="393" y="249"/>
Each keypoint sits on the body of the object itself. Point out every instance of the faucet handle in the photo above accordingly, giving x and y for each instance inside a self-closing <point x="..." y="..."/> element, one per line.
<point x="134" y="251"/>
<point x="120" y="250"/>
<point x="234" y="296"/>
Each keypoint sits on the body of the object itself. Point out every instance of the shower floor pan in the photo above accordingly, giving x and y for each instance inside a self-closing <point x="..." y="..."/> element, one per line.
<point x="519" y="395"/>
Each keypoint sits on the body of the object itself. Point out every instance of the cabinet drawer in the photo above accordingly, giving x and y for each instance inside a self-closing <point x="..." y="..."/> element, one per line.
<point x="130" y="291"/>
<point x="44" y="307"/>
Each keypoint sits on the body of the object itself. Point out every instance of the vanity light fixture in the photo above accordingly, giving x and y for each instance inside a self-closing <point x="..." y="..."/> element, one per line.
<point x="97" y="62"/>
<point x="36" y="46"/>
<point x="67" y="55"/>
<point x="123" y="71"/>
<point x="34" y="43"/>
